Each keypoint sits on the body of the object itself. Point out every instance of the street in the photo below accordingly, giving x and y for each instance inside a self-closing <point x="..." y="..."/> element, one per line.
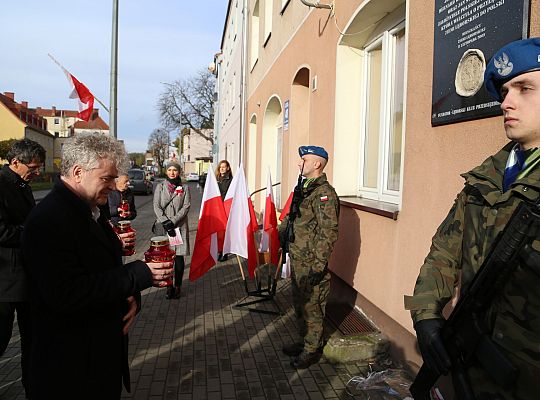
<point x="202" y="347"/>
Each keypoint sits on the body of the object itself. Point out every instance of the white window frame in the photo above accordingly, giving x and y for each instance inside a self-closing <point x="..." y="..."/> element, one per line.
<point x="380" y="193"/>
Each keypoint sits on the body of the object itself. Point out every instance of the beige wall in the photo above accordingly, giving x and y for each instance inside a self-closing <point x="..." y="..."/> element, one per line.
<point x="379" y="257"/>
<point x="11" y="127"/>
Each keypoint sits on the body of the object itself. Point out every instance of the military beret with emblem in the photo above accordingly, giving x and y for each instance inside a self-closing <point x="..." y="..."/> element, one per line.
<point x="514" y="59"/>
<point x="315" y="150"/>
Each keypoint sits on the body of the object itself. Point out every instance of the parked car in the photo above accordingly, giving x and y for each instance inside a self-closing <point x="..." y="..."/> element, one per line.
<point x="192" y="177"/>
<point x="202" y="179"/>
<point x="139" y="182"/>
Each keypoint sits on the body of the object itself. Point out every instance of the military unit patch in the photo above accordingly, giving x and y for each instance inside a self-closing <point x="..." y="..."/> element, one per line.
<point x="324" y="198"/>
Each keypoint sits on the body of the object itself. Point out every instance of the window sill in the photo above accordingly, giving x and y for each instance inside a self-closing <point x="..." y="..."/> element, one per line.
<point x="284" y="7"/>
<point x="267" y="39"/>
<point x="387" y="210"/>
<point x="254" y="64"/>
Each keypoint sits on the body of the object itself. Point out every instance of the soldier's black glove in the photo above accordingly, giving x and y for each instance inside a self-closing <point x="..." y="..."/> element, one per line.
<point x="314" y="278"/>
<point x="428" y="333"/>
<point x="168" y="225"/>
<point x="531" y="258"/>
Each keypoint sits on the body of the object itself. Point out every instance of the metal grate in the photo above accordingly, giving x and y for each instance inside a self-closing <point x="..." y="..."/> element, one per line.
<point x="348" y="320"/>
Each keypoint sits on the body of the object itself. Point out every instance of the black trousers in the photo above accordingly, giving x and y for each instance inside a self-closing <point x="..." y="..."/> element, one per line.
<point x="7" y="316"/>
<point x="179" y="266"/>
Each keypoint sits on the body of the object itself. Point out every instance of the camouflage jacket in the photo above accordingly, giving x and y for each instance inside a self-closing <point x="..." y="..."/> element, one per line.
<point x="462" y="242"/>
<point x="316" y="227"/>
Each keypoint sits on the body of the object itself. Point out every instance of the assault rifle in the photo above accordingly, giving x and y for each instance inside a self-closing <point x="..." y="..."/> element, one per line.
<point x="464" y="335"/>
<point x="294" y="212"/>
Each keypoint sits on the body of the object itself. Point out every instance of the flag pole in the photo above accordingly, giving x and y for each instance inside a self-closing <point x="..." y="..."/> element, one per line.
<point x="61" y="66"/>
<point x="114" y="71"/>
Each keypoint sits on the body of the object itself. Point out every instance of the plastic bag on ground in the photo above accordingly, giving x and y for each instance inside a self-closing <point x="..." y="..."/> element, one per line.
<point x="389" y="384"/>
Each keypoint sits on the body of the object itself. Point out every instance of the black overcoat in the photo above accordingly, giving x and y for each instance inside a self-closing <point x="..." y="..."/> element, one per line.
<point x="78" y="294"/>
<point x="16" y="202"/>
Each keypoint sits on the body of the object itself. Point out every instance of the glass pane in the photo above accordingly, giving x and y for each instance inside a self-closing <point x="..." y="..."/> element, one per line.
<point x="371" y="147"/>
<point x="396" y="115"/>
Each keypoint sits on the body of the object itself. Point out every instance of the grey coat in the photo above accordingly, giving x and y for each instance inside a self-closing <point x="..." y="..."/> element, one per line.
<point x="177" y="211"/>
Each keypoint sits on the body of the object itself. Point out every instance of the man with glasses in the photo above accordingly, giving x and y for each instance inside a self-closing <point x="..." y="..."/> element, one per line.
<point x="25" y="158"/>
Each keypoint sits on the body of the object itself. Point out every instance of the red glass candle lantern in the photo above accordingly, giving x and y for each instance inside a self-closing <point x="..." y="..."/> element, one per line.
<point x="125" y="227"/>
<point x="160" y="251"/>
<point x="124" y="206"/>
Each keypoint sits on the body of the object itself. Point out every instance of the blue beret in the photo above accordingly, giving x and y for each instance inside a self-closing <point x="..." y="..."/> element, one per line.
<point x="316" y="150"/>
<point x="512" y="60"/>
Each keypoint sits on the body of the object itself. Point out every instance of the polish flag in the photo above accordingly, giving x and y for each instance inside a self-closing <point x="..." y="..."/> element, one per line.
<point x="286" y="207"/>
<point x="242" y="224"/>
<point x="82" y="94"/>
<point x="212" y="223"/>
<point x="270" y="237"/>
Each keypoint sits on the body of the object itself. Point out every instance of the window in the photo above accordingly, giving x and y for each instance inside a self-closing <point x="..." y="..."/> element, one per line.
<point x="382" y="130"/>
<point x="268" y="10"/>
<point x="254" y="53"/>
<point x="56" y="121"/>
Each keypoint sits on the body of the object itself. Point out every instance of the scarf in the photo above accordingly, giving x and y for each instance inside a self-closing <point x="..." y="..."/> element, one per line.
<point x="173" y="183"/>
<point x="519" y="164"/>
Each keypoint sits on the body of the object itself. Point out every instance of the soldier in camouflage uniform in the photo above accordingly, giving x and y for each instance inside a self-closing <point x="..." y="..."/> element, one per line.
<point x="482" y="209"/>
<point x="315" y="230"/>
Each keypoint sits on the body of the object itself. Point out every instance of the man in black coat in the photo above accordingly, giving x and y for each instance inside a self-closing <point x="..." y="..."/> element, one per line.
<point x="83" y="299"/>
<point x="26" y="158"/>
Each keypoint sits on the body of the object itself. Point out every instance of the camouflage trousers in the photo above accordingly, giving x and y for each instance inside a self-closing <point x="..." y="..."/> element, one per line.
<point x="309" y="306"/>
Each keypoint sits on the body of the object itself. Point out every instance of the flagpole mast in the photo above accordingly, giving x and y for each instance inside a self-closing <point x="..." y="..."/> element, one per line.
<point x="114" y="71"/>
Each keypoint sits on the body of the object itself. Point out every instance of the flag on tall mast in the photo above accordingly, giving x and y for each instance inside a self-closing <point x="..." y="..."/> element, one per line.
<point x="80" y="92"/>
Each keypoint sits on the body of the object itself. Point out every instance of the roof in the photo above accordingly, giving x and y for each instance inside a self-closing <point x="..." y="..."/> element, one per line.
<point x="95" y="122"/>
<point x="53" y="112"/>
<point x="27" y="115"/>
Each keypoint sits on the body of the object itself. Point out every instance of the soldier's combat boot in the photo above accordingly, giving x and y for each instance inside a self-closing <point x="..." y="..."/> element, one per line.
<point x="304" y="360"/>
<point x="293" y="349"/>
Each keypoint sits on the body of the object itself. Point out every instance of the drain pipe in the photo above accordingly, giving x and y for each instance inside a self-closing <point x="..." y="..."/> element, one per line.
<point x="316" y="4"/>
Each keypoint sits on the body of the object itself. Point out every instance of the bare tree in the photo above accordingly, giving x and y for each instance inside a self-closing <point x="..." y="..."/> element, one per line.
<point x="189" y="103"/>
<point x="158" y="145"/>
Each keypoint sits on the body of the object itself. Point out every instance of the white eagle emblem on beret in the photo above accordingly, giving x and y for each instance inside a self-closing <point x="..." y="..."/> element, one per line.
<point x="503" y="65"/>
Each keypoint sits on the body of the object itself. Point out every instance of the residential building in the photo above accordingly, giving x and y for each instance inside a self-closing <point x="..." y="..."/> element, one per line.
<point x="196" y="152"/>
<point x="356" y="78"/>
<point x="64" y="124"/>
<point x="230" y="72"/>
<point x="17" y="121"/>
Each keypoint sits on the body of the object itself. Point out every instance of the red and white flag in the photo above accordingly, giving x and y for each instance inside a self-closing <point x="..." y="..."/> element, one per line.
<point x="83" y="95"/>
<point x="270" y="237"/>
<point x="79" y="92"/>
<point x="241" y="225"/>
<point x="286" y="207"/>
<point x="212" y="223"/>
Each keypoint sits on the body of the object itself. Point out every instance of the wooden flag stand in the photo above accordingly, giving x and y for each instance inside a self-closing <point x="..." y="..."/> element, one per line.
<point x="261" y="293"/>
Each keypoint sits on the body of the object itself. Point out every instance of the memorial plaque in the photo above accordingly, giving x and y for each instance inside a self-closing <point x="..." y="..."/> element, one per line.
<point x="467" y="34"/>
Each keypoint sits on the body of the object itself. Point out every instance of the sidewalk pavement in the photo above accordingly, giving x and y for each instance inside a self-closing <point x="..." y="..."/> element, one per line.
<point x="202" y="347"/>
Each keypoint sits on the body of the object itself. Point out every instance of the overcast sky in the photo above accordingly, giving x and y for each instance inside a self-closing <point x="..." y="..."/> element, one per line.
<point x="159" y="41"/>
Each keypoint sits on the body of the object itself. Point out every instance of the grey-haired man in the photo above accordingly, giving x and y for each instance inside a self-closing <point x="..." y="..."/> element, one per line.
<point x="83" y="299"/>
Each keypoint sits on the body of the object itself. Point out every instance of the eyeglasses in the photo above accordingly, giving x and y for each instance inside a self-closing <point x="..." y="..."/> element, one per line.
<point x="33" y="168"/>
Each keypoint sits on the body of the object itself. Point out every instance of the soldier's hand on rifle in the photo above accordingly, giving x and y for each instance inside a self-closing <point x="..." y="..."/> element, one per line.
<point x="314" y="277"/>
<point x="428" y="333"/>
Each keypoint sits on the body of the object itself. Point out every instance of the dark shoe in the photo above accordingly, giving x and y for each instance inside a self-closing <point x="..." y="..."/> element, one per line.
<point x="293" y="349"/>
<point x="304" y="360"/>
<point x="171" y="292"/>
<point x="176" y="292"/>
